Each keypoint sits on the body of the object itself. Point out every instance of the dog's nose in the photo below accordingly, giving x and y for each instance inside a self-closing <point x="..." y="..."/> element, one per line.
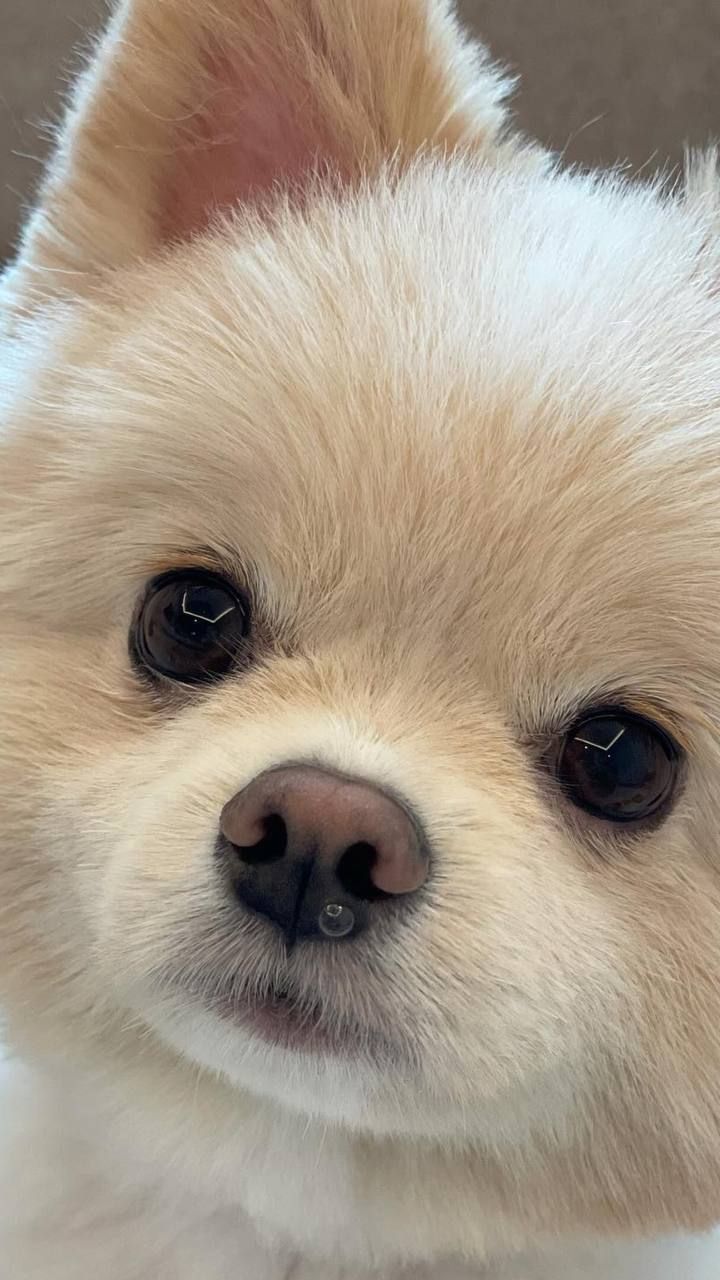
<point x="313" y="851"/>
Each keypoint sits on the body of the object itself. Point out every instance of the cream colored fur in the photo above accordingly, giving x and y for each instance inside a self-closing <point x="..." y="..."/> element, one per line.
<point x="293" y="299"/>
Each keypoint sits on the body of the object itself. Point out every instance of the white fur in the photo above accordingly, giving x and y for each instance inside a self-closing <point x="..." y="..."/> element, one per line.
<point x="75" y="1206"/>
<point x="452" y="417"/>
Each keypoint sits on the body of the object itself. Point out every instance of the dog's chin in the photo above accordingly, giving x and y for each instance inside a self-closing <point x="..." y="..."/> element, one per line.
<point x="272" y="1050"/>
<point x="336" y="1074"/>
<point x="280" y="1043"/>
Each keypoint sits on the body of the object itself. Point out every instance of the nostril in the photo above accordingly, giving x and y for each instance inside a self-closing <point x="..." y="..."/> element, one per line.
<point x="299" y="845"/>
<point x="354" y="871"/>
<point x="270" y="847"/>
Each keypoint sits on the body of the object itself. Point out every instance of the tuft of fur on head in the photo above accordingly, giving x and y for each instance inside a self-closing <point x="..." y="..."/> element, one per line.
<point x="293" y="305"/>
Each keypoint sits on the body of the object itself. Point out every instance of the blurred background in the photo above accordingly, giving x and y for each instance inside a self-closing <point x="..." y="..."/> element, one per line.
<point x="604" y="81"/>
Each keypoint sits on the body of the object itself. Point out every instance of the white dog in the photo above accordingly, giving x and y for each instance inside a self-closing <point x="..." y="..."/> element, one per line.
<point x="360" y="668"/>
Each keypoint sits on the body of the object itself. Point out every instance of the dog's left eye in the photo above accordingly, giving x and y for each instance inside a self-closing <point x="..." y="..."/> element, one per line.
<point x="618" y="766"/>
<point x="191" y="626"/>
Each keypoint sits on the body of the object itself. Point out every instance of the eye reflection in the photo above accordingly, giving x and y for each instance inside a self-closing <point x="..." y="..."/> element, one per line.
<point x="191" y="627"/>
<point x="618" y="766"/>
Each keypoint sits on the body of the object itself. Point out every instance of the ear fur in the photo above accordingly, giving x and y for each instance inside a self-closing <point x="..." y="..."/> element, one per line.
<point x="191" y="107"/>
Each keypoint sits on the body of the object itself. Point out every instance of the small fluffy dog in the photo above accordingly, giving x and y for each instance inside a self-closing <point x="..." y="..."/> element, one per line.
<point x="360" y="649"/>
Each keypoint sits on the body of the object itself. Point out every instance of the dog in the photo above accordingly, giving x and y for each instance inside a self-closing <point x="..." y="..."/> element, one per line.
<point x="360" y="652"/>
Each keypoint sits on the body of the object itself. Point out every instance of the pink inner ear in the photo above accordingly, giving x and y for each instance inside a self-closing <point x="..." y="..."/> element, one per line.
<point x="256" y="129"/>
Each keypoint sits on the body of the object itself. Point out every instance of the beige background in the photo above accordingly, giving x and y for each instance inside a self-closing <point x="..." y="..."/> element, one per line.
<point x="604" y="80"/>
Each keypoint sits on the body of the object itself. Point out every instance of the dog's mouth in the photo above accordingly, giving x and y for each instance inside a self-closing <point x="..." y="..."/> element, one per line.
<point x="283" y="1018"/>
<point x="287" y="1008"/>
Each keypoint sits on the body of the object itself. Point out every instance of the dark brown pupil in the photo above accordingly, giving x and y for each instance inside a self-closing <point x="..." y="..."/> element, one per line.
<point x="190" y="627"/>
<point x="618" y="766"/>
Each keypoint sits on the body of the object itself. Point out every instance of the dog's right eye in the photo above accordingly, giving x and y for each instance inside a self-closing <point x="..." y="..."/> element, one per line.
<point x="191" y="627"/>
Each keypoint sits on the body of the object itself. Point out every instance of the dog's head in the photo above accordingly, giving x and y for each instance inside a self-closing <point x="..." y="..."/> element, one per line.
<point x="359" y="614"/>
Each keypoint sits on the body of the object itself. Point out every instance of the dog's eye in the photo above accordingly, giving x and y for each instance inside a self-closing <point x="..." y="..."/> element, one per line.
<point x="618" y="766"/>
<point x="191" y="626"/>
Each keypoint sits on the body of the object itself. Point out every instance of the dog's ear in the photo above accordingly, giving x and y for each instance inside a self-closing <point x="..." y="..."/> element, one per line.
<point x="193" y="106"/>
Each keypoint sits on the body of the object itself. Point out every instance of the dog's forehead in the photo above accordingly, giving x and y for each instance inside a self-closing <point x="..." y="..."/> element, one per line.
<point x="430" y="315"/>
<point x="453" y="396"/>
<point x="458" y="364"/>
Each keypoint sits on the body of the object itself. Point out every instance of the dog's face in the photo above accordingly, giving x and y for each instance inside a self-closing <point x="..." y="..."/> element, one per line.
<point x="359" y="615"/>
